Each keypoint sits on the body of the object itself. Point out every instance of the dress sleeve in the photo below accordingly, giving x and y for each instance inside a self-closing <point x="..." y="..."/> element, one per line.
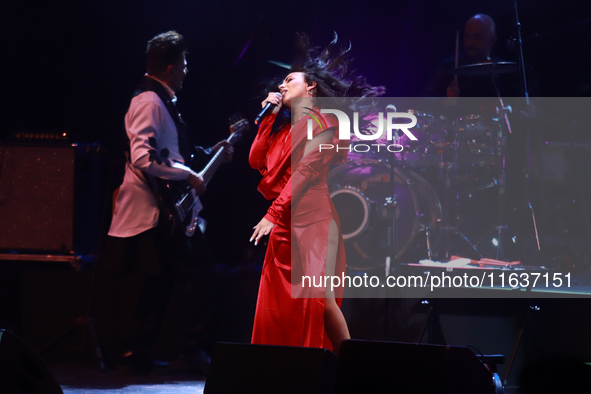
<point x="281" y="204"/>
<point x="145" y="124"/>
<point x="313" y="161"/>
<point x="258" y="151"/>
<point x="307" y="170"/>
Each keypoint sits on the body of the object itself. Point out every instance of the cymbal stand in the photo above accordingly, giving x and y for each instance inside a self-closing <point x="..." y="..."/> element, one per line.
<point x="427" y="229"/>
<point x="449" y="227"/>
<point x="501" y="223"/>
<point x="391" y="203"/>
<point x="422" y="227"/>
<point x="528" y="136"/>
<point x="391" y="260"/>
<point x="521" y="61"/>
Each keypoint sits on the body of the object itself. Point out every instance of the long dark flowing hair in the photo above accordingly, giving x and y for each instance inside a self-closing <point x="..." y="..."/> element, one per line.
<point x="331" y="72"/>
<point x="335" y="83"/>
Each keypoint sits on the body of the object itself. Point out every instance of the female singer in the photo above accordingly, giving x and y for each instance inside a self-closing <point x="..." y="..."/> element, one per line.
<point x="305" y="237"/>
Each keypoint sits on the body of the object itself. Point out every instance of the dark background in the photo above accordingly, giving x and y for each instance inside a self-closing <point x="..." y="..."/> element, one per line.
<point x="72" y="66"/>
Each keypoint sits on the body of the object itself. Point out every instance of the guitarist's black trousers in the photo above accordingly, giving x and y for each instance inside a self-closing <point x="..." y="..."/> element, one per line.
<point x="178" y="266"/>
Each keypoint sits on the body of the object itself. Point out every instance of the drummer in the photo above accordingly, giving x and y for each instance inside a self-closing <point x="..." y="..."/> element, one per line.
<point x="478" y="149"/>
<point x="479" y="39"/>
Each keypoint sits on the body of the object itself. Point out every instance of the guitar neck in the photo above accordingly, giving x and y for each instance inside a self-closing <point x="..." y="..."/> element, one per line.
<point x="213" y="165"/>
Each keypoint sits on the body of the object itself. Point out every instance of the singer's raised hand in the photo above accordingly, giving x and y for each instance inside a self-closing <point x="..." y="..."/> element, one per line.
<point x="275" y="99"/>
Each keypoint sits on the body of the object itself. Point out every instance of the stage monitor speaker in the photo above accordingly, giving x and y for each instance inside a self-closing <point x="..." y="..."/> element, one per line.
<point x="49" y="198"/>
<point x="405" y="368"/>
<point x="265" y="369"/>
<point x="21" y="370"/>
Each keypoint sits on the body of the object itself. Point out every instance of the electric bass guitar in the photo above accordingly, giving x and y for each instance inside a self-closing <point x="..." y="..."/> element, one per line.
<point x="178" y="200"/>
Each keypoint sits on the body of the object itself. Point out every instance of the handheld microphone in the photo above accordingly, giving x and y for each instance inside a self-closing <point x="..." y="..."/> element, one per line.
<point x="264" y="112"/>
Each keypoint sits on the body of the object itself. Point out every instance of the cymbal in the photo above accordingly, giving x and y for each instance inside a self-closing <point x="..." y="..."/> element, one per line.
<point x="476" y="69"/>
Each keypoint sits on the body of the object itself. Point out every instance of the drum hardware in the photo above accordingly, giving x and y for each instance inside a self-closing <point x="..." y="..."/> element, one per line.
<point x="450" y="229"/>
<point x="432" y="141"/>
<point x="468" y="153"/>
<point x="486" y="152"/>
<point x="427" y="229"/>
<point x="479" y="140"/>
<point x="491" y="69"/>
<point x="503" y="110"/>
<point x="410" y="204"/>
<point x="391" y="201"/>
<point x="418" y="155"/>
<point x="361" y="208"/>
<point x="527" y="152"/>
<point x="392" y="204"/>
<point x="493" y="144"/>
<point x="455" y="231"/>
<point x="533" y="216"/>
<point x="500" y="242"/>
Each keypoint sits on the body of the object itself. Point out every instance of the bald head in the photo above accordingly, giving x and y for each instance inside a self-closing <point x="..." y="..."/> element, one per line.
<point x="479" y="38"/>
<point x="482" y="22"/>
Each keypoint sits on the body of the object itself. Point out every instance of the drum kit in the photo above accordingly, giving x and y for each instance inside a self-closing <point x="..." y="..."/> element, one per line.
<point x="418" y="203"/>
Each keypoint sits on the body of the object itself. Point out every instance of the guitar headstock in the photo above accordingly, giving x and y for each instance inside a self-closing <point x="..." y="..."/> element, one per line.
<point x="238" y="124"/>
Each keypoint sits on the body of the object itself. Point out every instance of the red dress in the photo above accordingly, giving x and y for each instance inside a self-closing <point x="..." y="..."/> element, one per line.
<point x="301" y="211"/>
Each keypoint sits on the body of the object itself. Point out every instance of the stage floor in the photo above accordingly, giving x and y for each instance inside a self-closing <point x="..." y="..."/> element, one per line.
<point x="85" y="379"/>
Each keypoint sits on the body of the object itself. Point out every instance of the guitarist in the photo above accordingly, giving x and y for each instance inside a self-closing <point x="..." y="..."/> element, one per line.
<point x="160" y="147"/>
